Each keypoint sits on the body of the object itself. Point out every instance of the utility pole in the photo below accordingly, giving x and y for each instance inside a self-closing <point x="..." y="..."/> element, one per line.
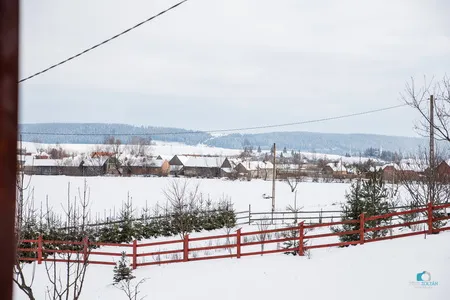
<point x="274" y="175"/>
<point x="430" y="189"/>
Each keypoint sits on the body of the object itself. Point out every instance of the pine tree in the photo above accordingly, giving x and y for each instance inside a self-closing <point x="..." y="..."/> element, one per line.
<point x="284" y="150"/>
<point x="123" y="270"/>
<point x="124" y="279"/>
<point x="259" y="149"/>
<point x="369" y="197"/>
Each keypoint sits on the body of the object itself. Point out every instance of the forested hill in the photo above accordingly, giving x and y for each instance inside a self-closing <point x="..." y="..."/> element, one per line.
<point x="332" y="143"/>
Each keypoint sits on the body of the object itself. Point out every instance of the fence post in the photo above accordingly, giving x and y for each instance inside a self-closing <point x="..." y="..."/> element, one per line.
<point x="186" y="248"/>
<point x="362" y="224"/>
<point x="134" y="254"/>
<point x="249" y="213"/>
<point x="39" y="252"/>
<point x="430" y="217"/>
<point x="301" y="251"/>
<point x="238" y="243"/>
<point x="85" y="249"/>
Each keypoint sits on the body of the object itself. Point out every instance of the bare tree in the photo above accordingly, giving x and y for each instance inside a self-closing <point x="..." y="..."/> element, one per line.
<point x="67" y="278"/>
<point x="140" y="146"/>
<point x="115" y="149"/>
<point x="183" y="199"/>
<point x="263" y="225"/>
<point x="422" y="184"/>
<point x="25" y="219"/>
<point x="419" y="99"/>
<point x="293" y="183"/>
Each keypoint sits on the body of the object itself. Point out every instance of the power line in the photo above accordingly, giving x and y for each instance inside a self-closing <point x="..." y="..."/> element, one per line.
<point x="101" y="43"/>
<point x="221" y="130"/>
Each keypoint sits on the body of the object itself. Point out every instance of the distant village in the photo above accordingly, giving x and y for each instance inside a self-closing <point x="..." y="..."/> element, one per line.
<point x="247" y="165"/>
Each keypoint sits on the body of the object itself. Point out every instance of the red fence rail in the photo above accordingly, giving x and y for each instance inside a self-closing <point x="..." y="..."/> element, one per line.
<point x="183" y="247"/>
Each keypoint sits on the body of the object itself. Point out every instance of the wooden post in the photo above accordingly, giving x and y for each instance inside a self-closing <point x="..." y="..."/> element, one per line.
<point x="9" y="76"/>
<point x="186" y="248"/>
<point x="134" y="255"/>
<point x="39" y="252"/>
<point x="430" y="217"/>
<point x="362" y="224"/>
<point x="238" y="243"/>
<point x="85" y="249"/>
<point x="301" y="251"/>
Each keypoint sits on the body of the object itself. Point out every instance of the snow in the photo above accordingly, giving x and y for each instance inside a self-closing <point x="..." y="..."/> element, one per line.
<point x="108" y="193"/>
<point x="142" y="161"/>
<point x="157" y="148"/>
<point x="166" y="148"/>
<point x="43" y="162"/>
<point x="169" y="149"/>
<point x="381" y="270"/>
<point x="258" y="165"/>
<point x="337" y="167"/>
<point x="205" y="162"/>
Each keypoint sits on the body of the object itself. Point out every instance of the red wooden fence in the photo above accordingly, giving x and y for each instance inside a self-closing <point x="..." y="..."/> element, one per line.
<point x="238" y="245"/>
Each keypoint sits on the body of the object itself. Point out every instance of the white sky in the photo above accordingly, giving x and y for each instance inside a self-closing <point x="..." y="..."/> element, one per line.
<point x="212" y="64"/>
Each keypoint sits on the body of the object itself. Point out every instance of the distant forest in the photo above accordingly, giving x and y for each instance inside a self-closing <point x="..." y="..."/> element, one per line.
<point x="330" y="143"/>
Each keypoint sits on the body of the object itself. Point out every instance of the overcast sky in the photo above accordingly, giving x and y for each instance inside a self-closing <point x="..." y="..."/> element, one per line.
<point x="212" y="64"/>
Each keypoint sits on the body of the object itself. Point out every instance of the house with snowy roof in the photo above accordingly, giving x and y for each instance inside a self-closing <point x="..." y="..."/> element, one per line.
<point x="406" y="169"/>
<point x="255" y="169"/>
<point x="145" y="166"/>
<point x="205" y="166"/>
<point x="176" y="164"/>
<point x="42" y="166"/>
<point x="335" y="168"/>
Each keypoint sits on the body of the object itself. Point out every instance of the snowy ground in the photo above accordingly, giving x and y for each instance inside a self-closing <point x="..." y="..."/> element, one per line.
<point x="108" y="193"/>
<point x="157" y="148"/>
<point x="171" y="149"/>
<point x="381" y="270"/>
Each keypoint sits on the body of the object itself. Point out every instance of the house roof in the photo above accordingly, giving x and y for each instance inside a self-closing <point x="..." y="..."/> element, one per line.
<point x="205" y="162"/>
<point x="101" y="153"/>
<point x="43" y="162"/>
<point x="337" y="167"/>
<point x="234" y="162"/>
<point x="182" y="158"/>
<point x="95" y="162"/>
<point x="72" y="161"/>
<point x="395" y="166"/>
<point x="413" y="165"/>
<point x="405" y="165"/>
<point x="164" y="157"/>
<point x="144" y="162"/>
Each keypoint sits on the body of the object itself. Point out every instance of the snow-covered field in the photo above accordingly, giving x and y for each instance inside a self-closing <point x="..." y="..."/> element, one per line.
<point x="108" y="193"/>
<point x="171" y="149"/>
<point x="157" y="148"/>
<point x="382" y="270"/>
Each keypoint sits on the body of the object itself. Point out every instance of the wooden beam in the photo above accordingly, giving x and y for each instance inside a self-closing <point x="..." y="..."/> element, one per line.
<point x="9" y="63"/>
